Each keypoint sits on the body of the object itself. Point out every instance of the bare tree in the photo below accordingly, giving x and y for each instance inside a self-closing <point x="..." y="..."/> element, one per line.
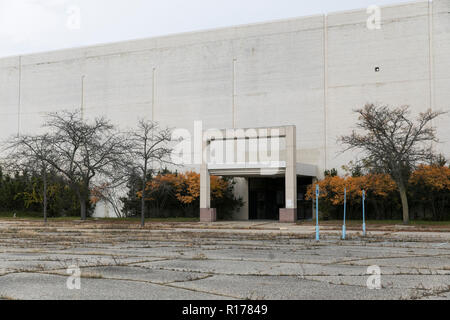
<point x="393" y="143"/>
<point x="149" y="146"/>
<point x="29" y="153"/>
<point x="110" y="195"/>
<point x="83" y="150"/>
<point x="109" y="190"/>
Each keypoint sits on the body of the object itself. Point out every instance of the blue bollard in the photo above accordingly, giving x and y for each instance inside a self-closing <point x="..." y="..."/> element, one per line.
<point x="364" y="214"/>
<point x="345" y="211"/>
<point x="317" y="214"/>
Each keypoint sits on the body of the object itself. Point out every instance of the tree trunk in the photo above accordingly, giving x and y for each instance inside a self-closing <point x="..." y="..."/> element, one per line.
<point x="45" y="195"/>
<point x="83" y="208"/>
<point x="143" y="207"/>
<point x="404" y="198"/>
<point x="144" y="185"/>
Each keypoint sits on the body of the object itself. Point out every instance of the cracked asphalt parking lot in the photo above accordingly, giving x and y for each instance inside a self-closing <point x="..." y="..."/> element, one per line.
<point x="174" y="263"/>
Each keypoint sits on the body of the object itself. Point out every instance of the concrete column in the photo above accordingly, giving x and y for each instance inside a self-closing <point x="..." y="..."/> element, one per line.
<point x="289" y="214"/>
<point x="205" y="187"/>
<point x="241" y="189"/>
<point x="207" y="214"/>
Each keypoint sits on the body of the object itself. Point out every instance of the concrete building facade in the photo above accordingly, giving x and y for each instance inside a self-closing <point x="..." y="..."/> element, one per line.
<point x="307" y="72"/>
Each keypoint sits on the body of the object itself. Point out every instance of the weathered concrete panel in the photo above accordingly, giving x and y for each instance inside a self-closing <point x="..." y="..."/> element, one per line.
<point x="310" y="72"/>
<point x="9" y="97"/>
<point x="441" y="71"/>
<point x="400" y="49"/>
<point x="279" y="81"/>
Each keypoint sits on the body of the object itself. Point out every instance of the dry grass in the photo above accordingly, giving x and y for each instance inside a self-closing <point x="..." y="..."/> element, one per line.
<point x="91" y="275"/>
<point x="200" y="256"/>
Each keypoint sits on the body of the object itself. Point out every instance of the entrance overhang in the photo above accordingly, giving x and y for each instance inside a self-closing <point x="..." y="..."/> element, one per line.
<point x="274" y="169"/>
<point x="287" y="168"/>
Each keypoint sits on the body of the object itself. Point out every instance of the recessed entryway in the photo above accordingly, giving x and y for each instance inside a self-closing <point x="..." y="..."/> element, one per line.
<point x="266" y="197"/>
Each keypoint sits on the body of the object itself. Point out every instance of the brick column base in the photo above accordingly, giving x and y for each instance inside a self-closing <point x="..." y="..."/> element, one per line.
<point x="208" y="215"/>
<point x="288" y="215"/>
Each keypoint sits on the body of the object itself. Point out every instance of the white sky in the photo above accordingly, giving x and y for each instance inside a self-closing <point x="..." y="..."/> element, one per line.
<point x="28" y="26"/>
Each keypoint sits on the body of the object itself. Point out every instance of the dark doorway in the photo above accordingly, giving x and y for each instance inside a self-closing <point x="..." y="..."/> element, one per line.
<point x="266" y="197"/>
<point x="304" y="207"/>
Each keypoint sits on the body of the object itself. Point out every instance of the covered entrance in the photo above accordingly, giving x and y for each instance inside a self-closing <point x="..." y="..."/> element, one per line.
<point x="265" y="159"/>
<point x="266" y="197"/>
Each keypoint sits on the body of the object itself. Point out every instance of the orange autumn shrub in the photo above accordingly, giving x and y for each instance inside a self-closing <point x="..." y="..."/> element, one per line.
<point x="186" y="186"/>
<point x="436" y="178"/>
<point x="430" y="191"/>
<point x="378" y="185"/>
<point x="379" y="188"/>
<point x="157" y="185"/>
<point x="332" y="188"/>
<point x="173" y="194"/>
<point x="428" y="194"/>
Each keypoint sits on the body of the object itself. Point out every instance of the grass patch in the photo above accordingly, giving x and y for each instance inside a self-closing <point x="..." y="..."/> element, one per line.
<point x="40" y="216"/>
<point x="33" y="216"/>
<point x="181" y="219"/>
<point x="199" y="256"/>
<point x="89" y="275"/>
<point x="21" y="214"/>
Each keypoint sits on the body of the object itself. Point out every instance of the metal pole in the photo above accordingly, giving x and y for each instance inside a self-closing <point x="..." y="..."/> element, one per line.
<point x="364" y="214"/>
<point x="345" y="211"/>
<point x="317" y="214"/>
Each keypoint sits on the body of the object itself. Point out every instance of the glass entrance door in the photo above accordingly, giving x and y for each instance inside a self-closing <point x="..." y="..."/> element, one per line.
<point x="266" y="197"/>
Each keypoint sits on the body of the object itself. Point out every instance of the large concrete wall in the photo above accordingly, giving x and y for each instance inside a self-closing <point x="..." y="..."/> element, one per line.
<point x="440" y="80"/>
<point x="412" y="51"/>
<point x="310" y="72"/>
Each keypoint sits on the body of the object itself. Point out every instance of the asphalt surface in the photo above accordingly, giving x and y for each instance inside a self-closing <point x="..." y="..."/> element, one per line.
<point x="186" y="262"/>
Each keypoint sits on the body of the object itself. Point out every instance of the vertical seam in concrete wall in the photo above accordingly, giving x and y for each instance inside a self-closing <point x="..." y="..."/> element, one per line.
<point x="19" y="99"/>
<point x="325" y="86"/>
<point x="82" y="96"/>
<point x="153" y="92"/>
<point x="234" y="94"/>
<point x="153" y="103"/>
<point x="431" y="60"/>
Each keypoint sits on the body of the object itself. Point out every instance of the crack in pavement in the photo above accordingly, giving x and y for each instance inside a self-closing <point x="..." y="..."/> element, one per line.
<point x="181" y="259"/>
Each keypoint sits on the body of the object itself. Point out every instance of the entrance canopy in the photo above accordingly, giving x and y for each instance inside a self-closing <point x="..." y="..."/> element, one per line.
<point x="254" y="152"/>
<point x="277" y="169"/>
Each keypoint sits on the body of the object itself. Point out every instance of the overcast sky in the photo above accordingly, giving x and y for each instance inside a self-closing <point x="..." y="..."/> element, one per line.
<point x="28" y="26"/>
